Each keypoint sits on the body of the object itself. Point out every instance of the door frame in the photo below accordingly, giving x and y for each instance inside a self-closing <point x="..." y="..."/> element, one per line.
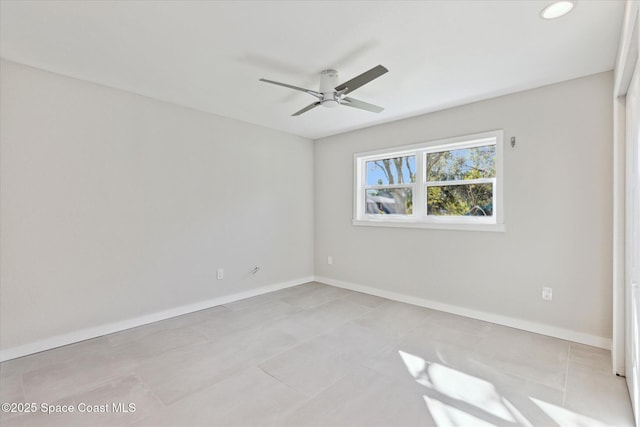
<point x="624" y="71"/>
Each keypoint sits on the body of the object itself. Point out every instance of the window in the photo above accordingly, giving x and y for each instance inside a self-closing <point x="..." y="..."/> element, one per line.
<point x="454" y="183"/>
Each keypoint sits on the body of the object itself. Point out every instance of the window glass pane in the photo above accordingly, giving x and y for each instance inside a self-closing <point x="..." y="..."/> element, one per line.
<point x="460" y="200"/>
<point x="397" y="170"/>
<point x="465" y="163"/>
<point x="387" y="201"/>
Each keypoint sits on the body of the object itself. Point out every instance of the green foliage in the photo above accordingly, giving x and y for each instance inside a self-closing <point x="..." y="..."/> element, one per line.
<point x="465" y="163"/>
<point x="461" y="165"/>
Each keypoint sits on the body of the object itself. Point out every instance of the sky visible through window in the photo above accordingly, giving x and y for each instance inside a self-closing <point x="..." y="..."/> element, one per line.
<point x="377" y="174"/>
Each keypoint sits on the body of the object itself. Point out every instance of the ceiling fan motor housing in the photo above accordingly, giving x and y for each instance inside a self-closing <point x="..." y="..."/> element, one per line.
<point x="328" y="82"/>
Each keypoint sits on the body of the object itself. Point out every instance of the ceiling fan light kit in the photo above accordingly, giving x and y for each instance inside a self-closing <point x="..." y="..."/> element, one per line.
<point x="331" y="94"/>
<point x="328" y="82"/>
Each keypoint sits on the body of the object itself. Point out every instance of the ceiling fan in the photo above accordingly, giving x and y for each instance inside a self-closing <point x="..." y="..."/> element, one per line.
<point x="332" y="94"/>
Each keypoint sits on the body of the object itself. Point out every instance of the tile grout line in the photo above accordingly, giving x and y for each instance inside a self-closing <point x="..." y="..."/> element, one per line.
<point x="151" y="391"/>
<point x="304" y="340"/>
<point x="305" y="398"/>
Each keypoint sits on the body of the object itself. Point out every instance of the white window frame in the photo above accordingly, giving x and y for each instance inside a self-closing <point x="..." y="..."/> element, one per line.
<point x="419" y="217"/>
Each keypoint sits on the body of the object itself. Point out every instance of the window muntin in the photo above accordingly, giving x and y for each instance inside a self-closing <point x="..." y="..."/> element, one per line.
<point x="454" y="183"/>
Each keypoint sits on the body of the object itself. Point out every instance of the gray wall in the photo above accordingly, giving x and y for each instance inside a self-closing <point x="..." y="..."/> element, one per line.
<point x="557" y="195"/>
<point x="116" y="206"/>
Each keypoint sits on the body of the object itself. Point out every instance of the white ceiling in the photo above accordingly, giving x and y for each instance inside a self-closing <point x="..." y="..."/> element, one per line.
<point x="209" y="55"/>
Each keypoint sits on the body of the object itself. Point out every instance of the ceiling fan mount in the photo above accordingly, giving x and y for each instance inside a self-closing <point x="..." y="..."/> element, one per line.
<point x="332" y="94"/>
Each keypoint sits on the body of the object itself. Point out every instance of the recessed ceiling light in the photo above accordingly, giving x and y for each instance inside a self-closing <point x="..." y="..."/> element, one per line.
<point x="557" y="9"/>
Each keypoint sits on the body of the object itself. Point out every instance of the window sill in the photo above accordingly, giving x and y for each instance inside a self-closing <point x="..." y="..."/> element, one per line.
<point x="431" y="225"/>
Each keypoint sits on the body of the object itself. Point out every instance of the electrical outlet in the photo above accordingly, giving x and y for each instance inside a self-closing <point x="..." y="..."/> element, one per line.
<point x="547" y="294"/>
<point x="329" y="260"/>
<point x="220" y="274"/>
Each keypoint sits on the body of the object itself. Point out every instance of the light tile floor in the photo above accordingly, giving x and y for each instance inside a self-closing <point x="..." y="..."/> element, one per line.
<point x="316" y="355"/>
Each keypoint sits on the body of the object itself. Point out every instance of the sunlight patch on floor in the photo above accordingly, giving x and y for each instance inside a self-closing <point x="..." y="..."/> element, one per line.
<point x="457" y="385"/>
<point x="564" y="417"/>
<point x="448" y="416"/>
<point x="455" y="398"/>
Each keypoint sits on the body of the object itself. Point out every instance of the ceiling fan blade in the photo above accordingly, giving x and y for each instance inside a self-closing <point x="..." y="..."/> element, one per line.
<point x="309" y="91"/>
<point x="307" y="108"/>
<point x="361" y="80"/>
<point x="350" y="102"/>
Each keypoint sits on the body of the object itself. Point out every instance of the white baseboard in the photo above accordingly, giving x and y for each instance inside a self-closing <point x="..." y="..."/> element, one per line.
<point x="538" y="328"/>
<point x="88" y="333"/>
<point x="97" y="331"/>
